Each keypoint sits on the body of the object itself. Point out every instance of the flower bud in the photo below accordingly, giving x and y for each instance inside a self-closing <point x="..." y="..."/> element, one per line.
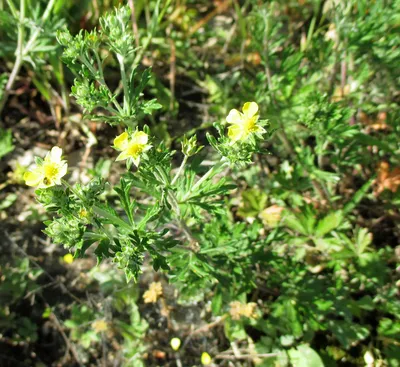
<point x="189" y="146"/>
<point x="205" y="359"/>
<point x="175" y="343"/>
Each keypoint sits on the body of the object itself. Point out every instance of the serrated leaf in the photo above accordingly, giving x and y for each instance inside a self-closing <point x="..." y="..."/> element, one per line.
<point x="329" y="223"/>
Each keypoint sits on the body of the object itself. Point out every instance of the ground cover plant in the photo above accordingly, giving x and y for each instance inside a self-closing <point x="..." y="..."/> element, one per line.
<point x="190" y="183"/>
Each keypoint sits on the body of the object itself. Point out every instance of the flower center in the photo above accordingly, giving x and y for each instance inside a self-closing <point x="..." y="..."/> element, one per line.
<point x="250" y="125"/>
<point x="135" y="150"/>
<point x="50" y="171"/>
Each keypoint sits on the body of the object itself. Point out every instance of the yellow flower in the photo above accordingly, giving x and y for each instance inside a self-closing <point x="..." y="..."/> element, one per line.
<point x="83" y="213"/>
<point x="205" y="359"/>
<point x="68" y="258"/>
<point x="175" y="343"/>
<point x="132" y="146"/>
<point x="48" y="172"/>
<point x="239" y="309"/>
<point x="243" y="124"/>
<point x="152" y="294"/>
<point x="271" y="215"/>
<point x="99" y="326"/>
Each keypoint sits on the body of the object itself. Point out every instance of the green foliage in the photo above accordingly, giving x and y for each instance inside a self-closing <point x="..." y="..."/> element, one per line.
<point x="86" y="55"/>
<point x="18" y="280"/>
<point x="6" y="144"/>
<point x="288" y="220"/>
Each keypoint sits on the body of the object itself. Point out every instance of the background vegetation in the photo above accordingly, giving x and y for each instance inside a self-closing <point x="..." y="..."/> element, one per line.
<point x="295" y="261"/>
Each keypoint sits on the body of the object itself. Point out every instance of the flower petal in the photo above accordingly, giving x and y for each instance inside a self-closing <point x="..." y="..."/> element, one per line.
<point x="259" y="130"/>
<point x="147" y="148"/>
<point x="121" y="141"/>
<point x="234" y="117"/>
<point x="140" y="137"/>
<point x="122" y="156"/>
<point x="250" y="109"/>
<point x="55" y="154"/>
<point x="136" y="160"/>
<point x="33" y="178"/>
<point x="63" y="169"/>
<point x="235" y="132"/>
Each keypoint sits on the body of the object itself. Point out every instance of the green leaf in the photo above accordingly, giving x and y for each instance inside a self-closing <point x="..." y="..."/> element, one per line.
<point x="348" y="334"/>
<point x="102" y="250"/>
<point x="6" y="145"/>
<point x="358" y="196"/>
<point x="216" y="303"/>
<point x="8" y="201"/>
<point x="105" y="212"/>
<point x="389" y="328"/>
<point x="234" y="330"/>
<point x="123" y="192"/>
<point x="294" y="223"/>
<point x="329" y="223"/>
<point x="305" y="356"/>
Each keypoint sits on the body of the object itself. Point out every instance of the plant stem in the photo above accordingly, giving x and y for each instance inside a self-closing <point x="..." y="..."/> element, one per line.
<point x="13" y="9"/>
<point x="321" y="190"/>
<point x="126" y="106"/>
<point x="113" y="219"/>
<point x="207" y="175"/>
<point x="35" y="35"/>
<point x="134" y="23"/>
<point x="66" y="184"/>
<point x="180" y="170"/>
<point x="282" y="133"/>
<point x="101" y="79"/>
<point x="100" y="66"/>
<point x="21" y="50"/>
<point x="19" y="55"/>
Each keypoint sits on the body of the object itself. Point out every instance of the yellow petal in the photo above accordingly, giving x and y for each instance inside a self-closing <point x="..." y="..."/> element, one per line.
<point x="250" y="109"/>
<point x="63" y="169"/>
<point x="235" y="132"/>
<point x="55" y="154"/>
<point x="136" y="161"/>
<point x="140" y="137"/>
<point x="68" y="258"/>
<point x="147" y="148"/>
<point x="175" y="343"/>
<point x="259" y="129"/>
<point x="234" y="117"/>
<point x="122" y="156"/>
<point x="121" y="141"/>
<point x="205" y="359"/>
<point x="33" y="178"/>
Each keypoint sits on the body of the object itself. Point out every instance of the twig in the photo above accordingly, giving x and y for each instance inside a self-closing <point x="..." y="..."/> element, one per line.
<point x="70" y="346"/>
<point x="172" y="73"/>
<point x="219" y="9"/>
<point x="134" y="24"/>
<point x="208" y="326"/>
<point x="245" y="356"/>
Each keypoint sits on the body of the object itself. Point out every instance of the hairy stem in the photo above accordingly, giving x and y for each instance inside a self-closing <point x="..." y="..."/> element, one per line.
<point x="178" y="173"/>
<point x="126" y="106"/>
